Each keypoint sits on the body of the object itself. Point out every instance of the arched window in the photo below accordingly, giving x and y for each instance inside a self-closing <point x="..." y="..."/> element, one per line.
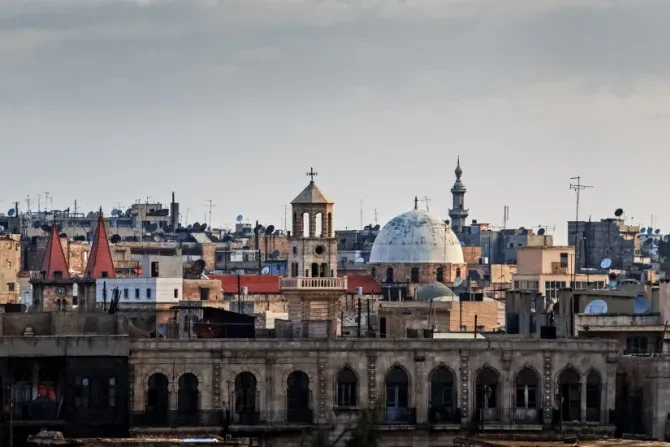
<point x="593" y="387"/>
<point x="346" y="388"/>
<point x="22" y="392"/>
<point x="324" y="270"/>
<point x="389" y="274"/>
<point x="158" y="397"/>
<point x="82" y="392"/>
<point x="246" y="395"/>
<point x="458" y="272"/>
<point x="318" y="225"/>
<point x="570" y="389"/>
<point x="397" y="396"/>
<point x="298" y="397"/>
<point x="527" y="397"/>
<point x="442" y="403"/>
<point x="487" y="395"/>
<point x="305" y="224"/>
<point x="415" y="274"/>
<point x="373" y="272"/>
<point x="439" y="275"/>
<point x="315" y="270"/>
<point x="188" y="399"/>
<point x="329" y="228"/>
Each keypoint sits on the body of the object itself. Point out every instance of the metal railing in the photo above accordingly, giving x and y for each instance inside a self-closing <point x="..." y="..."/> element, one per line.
<point x="171" y="418"/>
<point x="335" y="283"/>
<point x="443" y="414"/>
<point x="298" y="416"/>
<point x="398" y="415"/>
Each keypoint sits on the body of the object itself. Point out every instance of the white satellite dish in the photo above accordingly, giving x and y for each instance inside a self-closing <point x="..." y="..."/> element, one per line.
<point x="596" y="307"/>
<point x="458" y="282"/>
<point x="640" y="305"/>
<point x="606" y="263"/>
<point x="239" y="218"/>
<point x="360" y="260"/>
<point x="265" y="270"/>
<point x="2" y="228"/>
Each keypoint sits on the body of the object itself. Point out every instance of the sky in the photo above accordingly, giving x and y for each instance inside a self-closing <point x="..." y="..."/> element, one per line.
<point x="113" y="101"/>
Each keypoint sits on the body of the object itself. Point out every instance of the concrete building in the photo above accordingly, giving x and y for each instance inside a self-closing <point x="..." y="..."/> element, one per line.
<point x="10" y="268"/>
<point x="610" y="238"/>
<point x="548" y="270"/>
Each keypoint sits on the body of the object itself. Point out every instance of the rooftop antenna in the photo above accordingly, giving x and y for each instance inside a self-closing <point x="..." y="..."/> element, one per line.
<point x="416" y="203"/>
<point x="577" y="187"/>
<point x="427" y="201"/>
<point x="210" y="205"/>
<point x="361" y="227"/>
<point x="505" y="216"/>
<point x="46" y="201"/>
<point x="39" y="203"/>
<point x="28" y="203"/>
<point x="376" y="216"/>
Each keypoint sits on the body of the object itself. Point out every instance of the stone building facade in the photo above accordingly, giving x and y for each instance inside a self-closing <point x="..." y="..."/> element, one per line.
<point x="426" y="390"/>
<point x="10" y="267"/>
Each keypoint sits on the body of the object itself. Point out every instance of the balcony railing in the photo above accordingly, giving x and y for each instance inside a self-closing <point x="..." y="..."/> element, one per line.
<point x="608" y="321"/>
<point x="444" y="414"/>
<point x="314" y="283"/>
<point x="201" y="418"/>
<point x="399" y="415"/>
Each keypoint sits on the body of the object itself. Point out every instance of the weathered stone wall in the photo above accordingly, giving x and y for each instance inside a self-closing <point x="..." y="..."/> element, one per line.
<point x="10" y="267"/>
<point x="191" y="290"/>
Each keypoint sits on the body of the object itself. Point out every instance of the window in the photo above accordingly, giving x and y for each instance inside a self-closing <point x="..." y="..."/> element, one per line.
<point x="154" y="269"/>
<point x="415" y="274"/>
<point x="517" y="284"/>
<point x="458" y="273"/>
<point x="636" y="345"/>
<point x="204" y="294"/>
<point x="111" y="392"/>
<point x="176" y="293"/>
<point x="10" y="286"/>
<point x="125" y="294"/>
<point x="346" y="388"/>
<point x="148" y="294"/>
<point x="552" y="288"/>
<point x="105" y="275"/>
<point x="564" y="259"/>
<point x="58" y="275"/>
<point x="389" y="274"/>
<point x="137" y="294"/>
<point x="439" y="275"/>
<point x="82" y="392"/>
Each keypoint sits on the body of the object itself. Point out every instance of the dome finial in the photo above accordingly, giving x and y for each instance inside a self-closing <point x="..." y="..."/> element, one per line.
<point x="458" y="170"/>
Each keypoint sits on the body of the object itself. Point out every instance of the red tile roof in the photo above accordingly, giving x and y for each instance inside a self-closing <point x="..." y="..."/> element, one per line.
<point x="367" y="282"/>
<point x="255" y="283"/>
<point x="100" y="258"/>
<point x="54" y="258"/>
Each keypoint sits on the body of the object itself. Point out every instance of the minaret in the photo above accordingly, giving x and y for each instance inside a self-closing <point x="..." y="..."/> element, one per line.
<point x="458" y="213"/>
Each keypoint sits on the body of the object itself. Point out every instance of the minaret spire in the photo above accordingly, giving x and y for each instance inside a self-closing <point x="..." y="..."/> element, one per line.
<point x="458" y="213"/>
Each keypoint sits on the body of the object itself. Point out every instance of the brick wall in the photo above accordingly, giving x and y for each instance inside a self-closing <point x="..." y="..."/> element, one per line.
<point x="472" y="255"/>
<point x="10" y="266"/>
<point x="486" y="311"/>
<point x="427" y="272"/>
<point x="191" y="289"/>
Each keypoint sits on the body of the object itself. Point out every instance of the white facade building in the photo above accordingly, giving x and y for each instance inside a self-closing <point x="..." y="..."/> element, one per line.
<point x="141" y="290"/>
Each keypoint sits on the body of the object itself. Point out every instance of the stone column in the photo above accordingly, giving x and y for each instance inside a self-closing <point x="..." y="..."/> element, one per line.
<point x="173" y="397"/>
<point x="312" y="225"/>
<point x="465" y="391"/>
<point x="582" y="390"/>
<point x="271" y="404"/>
<point x="216" y="386"/>
<point x="323" y="379"/>
<point x="420" y="383"/>
<point x="372" y="380"/>
<point x="547" y="396"/>
<point x="324" y="225"/>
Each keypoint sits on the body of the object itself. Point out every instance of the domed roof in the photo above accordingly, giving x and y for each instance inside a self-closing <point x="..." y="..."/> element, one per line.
<point x="434" y="291"/>
<point x="416" y="237"/>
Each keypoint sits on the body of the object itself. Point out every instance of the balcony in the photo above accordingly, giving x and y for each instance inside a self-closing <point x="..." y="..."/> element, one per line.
<point x="248" y="421"/>
<point x="301" y="283"/>
<point x="201" y="418"/>
<point x="399" y="416"/>
<point x="618" y="322"/>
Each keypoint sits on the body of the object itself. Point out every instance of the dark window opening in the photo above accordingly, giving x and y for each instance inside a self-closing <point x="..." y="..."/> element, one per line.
<point x="415" y="274"/>
<point x="346" y="388"/>
<point x="154" y="269"/>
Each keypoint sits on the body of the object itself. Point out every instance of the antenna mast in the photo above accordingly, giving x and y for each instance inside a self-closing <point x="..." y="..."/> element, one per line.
<point x="210" y="205"/>
<point x="427" y="201"/>
<point x="375" y="216"/>
<point x="577" y="187"/>
<point x="505" y="216"/>
<point x="361" y="227"/>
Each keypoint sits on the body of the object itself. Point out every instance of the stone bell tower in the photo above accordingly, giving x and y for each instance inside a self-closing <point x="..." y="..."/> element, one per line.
<point x="313" y="288"/>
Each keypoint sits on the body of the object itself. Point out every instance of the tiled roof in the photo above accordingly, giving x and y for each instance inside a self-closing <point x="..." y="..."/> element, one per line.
<point x="100" y="259"/>
<point x="311" y="194"/>
<point x="254" y="283"/>
<point x="54" y="258"/>
<point x="367" y="282"/>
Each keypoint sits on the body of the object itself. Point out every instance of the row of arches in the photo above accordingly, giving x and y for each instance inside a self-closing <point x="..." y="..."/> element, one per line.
<point x="443" y="398"/>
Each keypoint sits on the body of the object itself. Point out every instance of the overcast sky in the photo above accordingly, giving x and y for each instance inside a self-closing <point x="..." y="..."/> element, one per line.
<point x="109" y="101"/>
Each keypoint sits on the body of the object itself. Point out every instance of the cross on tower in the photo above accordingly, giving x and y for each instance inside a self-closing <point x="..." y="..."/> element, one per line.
<point x="312" y="174"/>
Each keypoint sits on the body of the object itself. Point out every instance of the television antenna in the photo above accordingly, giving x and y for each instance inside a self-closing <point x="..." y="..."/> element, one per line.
<point x="210" y="205"/>
<point x="376" y="215"/>
<point x="426" y="200"/>
<point x="577" y="187"/>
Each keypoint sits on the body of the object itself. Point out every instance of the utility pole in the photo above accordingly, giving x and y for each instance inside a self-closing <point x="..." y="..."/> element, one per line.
<point x="210" y="205"/>
<point x="39" y="203"/>
<point x="46" y="201"/>
<point x="28" y="204"/>
<point x="577" y="187"/>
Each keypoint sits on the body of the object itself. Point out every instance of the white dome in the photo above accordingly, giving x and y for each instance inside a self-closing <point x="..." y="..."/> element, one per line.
<point x="416" y="237"/>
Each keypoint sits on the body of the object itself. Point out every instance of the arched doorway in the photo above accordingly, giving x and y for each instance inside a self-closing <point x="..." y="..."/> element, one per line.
<point x="315" y="270"/>
<point x="397" y="395"/>
<point x="487" y="395"/>
<point x="571" y="396"/>
<point x="593" y="395"/>
<point x="158" y="398"/>
<point x="188" y="399"/>
<point x="298" y="398"/>
<point x="526" y="397"/>
<point x="246" y="396"/>
<point x="442" y="403"/>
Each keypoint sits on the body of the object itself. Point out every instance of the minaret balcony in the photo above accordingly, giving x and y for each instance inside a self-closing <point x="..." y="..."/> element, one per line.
<point x="300" y="283"/>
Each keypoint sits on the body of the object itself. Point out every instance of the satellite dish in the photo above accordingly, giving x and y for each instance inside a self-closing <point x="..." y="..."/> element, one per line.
<point x="203" y="227"/>
<point x="275" y="254"/>
<point x="458" y="282"/>
<point x="540" y="232"/>
<point x="239" y="218"/>
<point x="596" y="307"/>
<point x="650" y="230"/>
<point x="152" y="227"/>
<point x="606" y="263"/>
<point x="270" y="229"/>
<point x="643" y="230"/>
<point x="377" y="227"/>
<point x="11" y="212"/>
<point x="360" y="260"/>
<point x="265" y="270"/>
<point x="115" y="239"/>
<point x="618" y="212"/>
<point x="657" y="231"/>
<point x="2" y="228"/>
<point x="640" y="305"/>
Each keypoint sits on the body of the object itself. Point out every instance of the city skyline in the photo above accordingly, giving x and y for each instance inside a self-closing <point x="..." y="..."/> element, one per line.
<point x="234" y="101"/>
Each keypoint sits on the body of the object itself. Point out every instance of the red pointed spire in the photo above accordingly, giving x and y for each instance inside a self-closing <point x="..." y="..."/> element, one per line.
<point x="54" y="264"/>
<point x="100" y="263"/>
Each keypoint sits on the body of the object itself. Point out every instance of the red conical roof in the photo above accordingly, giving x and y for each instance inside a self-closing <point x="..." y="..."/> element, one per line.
<point x="54" y="264"/>
<point x="100" y="263"/>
